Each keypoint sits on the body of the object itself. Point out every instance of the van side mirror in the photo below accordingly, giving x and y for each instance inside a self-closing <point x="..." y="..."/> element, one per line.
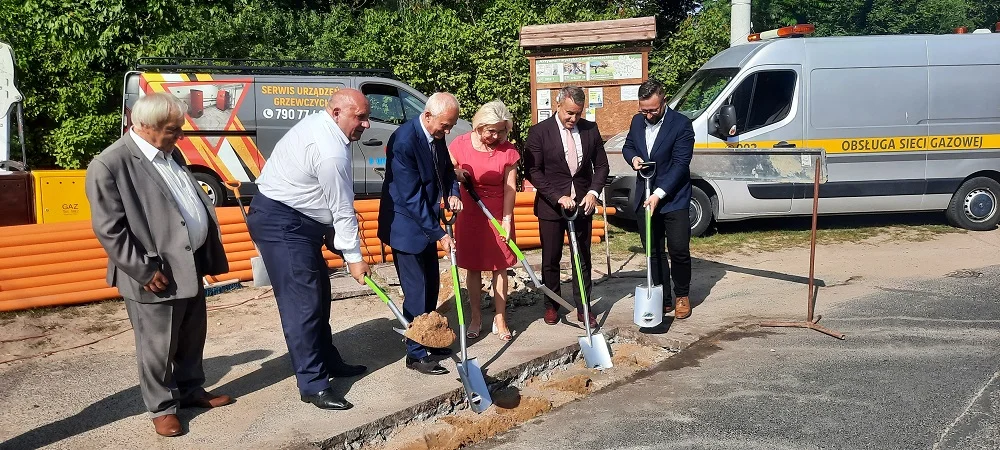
<point x="727" y="122"/>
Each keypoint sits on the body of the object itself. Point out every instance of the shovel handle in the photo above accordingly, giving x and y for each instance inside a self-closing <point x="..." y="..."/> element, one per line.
<point x="385" y="299"/>
<point x="233" y="185"/>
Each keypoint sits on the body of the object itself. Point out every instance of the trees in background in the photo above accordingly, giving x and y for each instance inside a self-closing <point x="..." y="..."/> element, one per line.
<point x="72" y="56"/>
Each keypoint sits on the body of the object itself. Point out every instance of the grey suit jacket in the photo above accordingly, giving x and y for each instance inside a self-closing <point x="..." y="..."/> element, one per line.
<point x="141" y="228"/>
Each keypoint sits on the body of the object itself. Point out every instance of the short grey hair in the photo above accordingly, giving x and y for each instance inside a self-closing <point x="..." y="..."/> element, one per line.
<point x="441" y="102"/>
<point x="158" y="109"/>
<point x="574" y="93"/>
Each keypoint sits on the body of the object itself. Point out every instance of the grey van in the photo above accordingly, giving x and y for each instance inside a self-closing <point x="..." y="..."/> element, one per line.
<point x="237" y="113"/>
<point x="909" y="123"/>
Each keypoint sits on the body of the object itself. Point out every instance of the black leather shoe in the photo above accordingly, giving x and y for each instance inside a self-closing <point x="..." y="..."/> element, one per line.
<point x="440" y="351"/>
<point x="343" y="370"/>
<point x="326" y="399"/>
<point x="425" y="366"/>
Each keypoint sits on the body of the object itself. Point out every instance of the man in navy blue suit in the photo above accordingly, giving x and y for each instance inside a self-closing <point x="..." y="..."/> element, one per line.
<point x="418" y="173"/>
<point x="661" y="135"/>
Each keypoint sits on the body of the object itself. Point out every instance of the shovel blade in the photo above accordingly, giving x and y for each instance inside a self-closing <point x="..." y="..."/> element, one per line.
<point x="648" y="308"/>
<point x="476" y="390"/>
<point x="259" y="272"/>
<point x="596" y="351"/>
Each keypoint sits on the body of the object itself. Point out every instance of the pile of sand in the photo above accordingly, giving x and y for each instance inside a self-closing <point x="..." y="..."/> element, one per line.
<point x="431" y="330"/>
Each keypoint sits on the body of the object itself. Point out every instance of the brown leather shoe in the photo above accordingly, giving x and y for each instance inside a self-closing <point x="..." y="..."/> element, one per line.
<point x="168" y="425"/>
<point x="551" y="316"/>
<point x="207" y="400"/>
<point x="668" y="308"/>
<point x="683" y="308"/>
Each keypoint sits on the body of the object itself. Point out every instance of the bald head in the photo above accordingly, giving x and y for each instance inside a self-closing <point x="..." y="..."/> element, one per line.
<point x="350" y="110"/>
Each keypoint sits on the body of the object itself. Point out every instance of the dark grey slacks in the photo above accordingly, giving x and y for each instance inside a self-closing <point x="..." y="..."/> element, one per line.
<point x="169" y="346"/>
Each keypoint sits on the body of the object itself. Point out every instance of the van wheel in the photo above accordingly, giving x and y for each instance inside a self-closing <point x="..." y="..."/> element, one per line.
<point x="974" y="205"/>
<point x="212" y="187"/>
<point x="700" y="212"/>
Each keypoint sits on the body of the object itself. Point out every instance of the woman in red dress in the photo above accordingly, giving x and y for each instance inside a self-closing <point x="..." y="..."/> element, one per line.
<point x="485" y="157"/>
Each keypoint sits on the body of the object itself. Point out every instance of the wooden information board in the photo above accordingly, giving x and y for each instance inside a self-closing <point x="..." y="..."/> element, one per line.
<point x="610" y="78"/>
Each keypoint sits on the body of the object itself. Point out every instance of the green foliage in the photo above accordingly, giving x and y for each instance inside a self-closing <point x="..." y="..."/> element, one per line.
<point x="72" y="55"/>
<point x="697" y="39"/>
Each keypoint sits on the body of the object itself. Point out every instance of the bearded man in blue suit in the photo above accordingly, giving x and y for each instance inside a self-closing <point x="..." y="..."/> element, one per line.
<point x="661" y="135"/>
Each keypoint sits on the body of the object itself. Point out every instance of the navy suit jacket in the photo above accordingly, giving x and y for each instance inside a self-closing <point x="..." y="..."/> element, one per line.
<point x="408" y="217"/>
<point x="672" y="151"/>
<point x="545" y="162"/>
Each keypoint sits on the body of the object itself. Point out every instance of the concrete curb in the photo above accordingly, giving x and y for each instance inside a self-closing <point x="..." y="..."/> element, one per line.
<point x="381" y="429"/>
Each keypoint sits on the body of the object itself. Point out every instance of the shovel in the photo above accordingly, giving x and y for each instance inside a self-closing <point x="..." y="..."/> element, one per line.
<point x="648" y="308"/>
<point x="517" y="252"/>
<point x="257" y="268"/>
<point x="595" y="348"/>
<point x="469" y="371"/>
<point x="392" y="306"/>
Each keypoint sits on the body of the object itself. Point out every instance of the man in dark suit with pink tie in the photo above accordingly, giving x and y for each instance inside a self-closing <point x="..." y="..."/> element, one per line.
<point x="566" y="162"/>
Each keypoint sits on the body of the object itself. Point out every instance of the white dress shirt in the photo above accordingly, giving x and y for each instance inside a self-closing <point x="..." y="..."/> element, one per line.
<point x="575" y="132"/>
<point x="182" y="189"/>
<point x="651" y="132"/>
<point x="310" y="171"/>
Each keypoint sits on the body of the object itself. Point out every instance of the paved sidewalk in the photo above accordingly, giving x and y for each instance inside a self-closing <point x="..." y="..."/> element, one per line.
<point x="89" y="398"/>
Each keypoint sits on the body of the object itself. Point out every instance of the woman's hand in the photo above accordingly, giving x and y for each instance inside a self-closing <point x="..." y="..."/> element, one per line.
<point x="507" y="228"/>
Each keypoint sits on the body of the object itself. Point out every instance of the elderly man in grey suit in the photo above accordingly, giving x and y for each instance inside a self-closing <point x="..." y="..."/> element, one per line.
<point x="161" y="235"/>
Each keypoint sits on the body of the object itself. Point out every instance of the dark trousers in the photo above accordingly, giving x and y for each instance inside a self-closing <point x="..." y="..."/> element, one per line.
<point x="675" y="228"/>
<point x="420" y="280"/>
<point x="291" y="244"/>
<point x="552" y="233"/>
<point x="169" y="344"/>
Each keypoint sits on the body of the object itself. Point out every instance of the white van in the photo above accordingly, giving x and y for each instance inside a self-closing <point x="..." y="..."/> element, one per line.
<point x="909" y="123"/>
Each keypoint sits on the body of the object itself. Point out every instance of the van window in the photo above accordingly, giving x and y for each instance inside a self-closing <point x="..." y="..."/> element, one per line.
<point x="700" y="91"/>
<point x="386" y="105"/>
<point x="413" y="106"/>
<point x="763" y="98"/>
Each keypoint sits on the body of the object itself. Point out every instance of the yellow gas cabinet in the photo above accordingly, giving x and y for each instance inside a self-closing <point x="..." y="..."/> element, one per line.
<point x="60" y="196"/>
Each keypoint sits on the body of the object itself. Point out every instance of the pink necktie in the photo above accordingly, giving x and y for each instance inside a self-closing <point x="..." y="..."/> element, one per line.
<point x="571" y="159"/>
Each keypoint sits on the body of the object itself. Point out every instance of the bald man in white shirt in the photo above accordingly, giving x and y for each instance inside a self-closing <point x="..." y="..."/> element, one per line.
<point x="306" y="194"/>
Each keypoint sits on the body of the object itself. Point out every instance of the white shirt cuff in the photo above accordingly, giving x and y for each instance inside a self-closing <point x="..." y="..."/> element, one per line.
<point x="660" y="193"/>
<point x="352" y="256"/>
<point x="594" y="193"/>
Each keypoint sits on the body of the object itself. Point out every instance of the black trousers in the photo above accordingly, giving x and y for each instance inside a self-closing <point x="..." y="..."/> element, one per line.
<point x="675" y="228"/>
<point x="421" y="282"/>
<point x="291" y="245"/>
<point x="552" y="233"/>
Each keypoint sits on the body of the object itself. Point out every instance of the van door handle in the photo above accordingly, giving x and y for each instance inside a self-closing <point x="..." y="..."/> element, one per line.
<point x="372" y="142"/>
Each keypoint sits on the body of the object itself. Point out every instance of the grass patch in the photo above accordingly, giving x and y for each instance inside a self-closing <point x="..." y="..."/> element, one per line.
<point x="763" y="235"/>
<point x="34" y="313"/>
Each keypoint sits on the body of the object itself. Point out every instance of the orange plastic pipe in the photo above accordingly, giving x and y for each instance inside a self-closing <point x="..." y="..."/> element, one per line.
<point x="71" y="298"/>
<point x="18" y="251"/>
<point x="49" y="280"/>
<point x="45" y="238"/>
<point x="53" y="289"/>
<point x="52" y="269"/>
<point x="51" y="258"/>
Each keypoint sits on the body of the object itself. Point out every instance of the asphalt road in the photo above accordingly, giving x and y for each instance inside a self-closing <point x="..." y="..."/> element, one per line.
<point x="920" y="369"/>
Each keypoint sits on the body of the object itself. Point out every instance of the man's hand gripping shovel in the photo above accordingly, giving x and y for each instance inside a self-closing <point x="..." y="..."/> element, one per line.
<point x="594" y="346"/>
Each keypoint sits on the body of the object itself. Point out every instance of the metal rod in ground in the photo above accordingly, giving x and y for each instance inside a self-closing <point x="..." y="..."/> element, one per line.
<point x="810" y="298"/>
<point x="607" y="234"/>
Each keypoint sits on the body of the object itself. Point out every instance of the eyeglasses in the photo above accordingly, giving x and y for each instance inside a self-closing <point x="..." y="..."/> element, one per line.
<point x="651" y="111"/>
<point x="494" y="132"/>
